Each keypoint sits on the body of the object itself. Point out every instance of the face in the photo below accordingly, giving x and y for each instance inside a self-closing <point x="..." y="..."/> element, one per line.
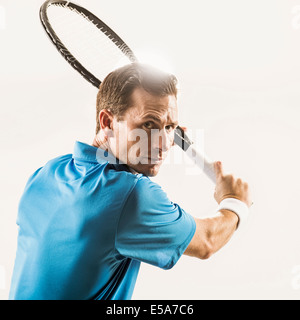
<point x="145" y="134"/>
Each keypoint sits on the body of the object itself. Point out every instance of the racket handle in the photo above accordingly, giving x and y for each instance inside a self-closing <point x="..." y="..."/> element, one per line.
<point x="202" y="161"/>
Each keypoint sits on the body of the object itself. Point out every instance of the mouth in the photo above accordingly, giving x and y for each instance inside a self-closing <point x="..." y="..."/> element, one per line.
<point x="153" y="161"/>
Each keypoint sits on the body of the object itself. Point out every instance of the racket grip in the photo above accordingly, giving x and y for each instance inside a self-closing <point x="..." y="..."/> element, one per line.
<point x="203" y="162"/>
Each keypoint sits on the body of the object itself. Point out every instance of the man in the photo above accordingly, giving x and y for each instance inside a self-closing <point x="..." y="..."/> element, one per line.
<point x="87" y="220"/>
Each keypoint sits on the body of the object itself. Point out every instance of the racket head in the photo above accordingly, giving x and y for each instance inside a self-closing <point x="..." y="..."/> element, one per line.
<point x="90" y="46"/>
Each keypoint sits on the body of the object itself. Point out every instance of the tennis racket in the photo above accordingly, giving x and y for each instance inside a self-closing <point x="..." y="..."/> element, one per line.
<point x="94" y="50"/>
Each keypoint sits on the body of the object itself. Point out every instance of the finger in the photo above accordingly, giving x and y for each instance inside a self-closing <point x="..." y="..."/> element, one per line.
<point x="218" y="169"/>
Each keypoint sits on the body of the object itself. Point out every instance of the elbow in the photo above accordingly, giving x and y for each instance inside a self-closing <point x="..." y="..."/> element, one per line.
<point x="205" y="256"/>
<point x="206" y="251"/>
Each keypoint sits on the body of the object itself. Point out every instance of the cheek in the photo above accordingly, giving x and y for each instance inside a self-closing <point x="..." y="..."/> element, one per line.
<point x="138" y="142"/>
<point x="119" y="141"/>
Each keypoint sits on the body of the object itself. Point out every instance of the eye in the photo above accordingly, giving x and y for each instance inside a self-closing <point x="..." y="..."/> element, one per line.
<point x="169" y="127"/>
<point x="149" y="125"/>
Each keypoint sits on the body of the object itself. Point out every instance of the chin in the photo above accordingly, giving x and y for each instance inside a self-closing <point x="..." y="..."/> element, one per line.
<point x="152" y="173"/>
<point x="147" y="170"/>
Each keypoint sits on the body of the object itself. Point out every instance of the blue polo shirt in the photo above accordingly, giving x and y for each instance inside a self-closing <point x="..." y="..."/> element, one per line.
<point x="86" y="224"/>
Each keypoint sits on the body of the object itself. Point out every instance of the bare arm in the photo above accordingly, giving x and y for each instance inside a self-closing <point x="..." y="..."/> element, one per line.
<point x="213" y="233"/>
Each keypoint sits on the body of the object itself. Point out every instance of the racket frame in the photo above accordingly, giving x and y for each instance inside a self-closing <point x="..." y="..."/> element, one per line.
<point x="68" y="56"/>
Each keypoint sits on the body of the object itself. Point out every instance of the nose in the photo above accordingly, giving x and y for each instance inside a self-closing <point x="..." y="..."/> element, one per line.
<point x="166" y="141"/>
<point x="161" y="141"/>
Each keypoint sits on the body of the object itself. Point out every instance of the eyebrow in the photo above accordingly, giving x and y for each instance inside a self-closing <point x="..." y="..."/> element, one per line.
<point x="157" y="119"/>
<point x="152" y="117"/>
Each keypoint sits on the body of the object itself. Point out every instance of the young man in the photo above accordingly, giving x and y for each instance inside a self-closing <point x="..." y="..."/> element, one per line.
<point x="87" y="220"/>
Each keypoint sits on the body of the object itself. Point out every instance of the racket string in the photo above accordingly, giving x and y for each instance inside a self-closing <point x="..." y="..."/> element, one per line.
<point x="89" y="45"/>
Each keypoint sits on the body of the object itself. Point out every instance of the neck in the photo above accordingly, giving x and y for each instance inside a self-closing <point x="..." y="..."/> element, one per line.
<point x="96" y="143"/>
<point x="101" y="142"/>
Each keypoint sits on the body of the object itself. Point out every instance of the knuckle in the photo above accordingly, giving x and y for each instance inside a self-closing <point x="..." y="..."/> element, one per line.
<point x="239" y="181"/>
<point x="229" y="178"/>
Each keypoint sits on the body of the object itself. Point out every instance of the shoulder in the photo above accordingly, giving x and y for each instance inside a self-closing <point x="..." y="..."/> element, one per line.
<point x="59" y="159"/>
<point x="55" y="162"/>
<point x="147" y="186"/>
<point x="148" y="194"/>
<point x="49" y="165"/>
<point x="121" y="173"/>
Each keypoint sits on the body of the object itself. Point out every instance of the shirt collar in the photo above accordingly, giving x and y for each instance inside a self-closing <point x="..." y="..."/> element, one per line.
<point x="86" y="152"/>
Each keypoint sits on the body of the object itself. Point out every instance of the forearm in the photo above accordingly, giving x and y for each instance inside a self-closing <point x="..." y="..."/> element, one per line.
<point x="212" y="234"/>
<point x="220" y="228"/>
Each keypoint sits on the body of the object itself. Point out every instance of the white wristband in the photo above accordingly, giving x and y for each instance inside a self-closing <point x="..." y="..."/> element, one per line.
<point x="238" y="207"/>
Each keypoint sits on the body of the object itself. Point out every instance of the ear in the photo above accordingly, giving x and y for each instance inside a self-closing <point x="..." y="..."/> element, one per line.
<point x="106" y="120"/>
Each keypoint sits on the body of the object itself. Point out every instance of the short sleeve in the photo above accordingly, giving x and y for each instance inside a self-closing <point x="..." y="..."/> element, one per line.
<point x="152" y="229"/>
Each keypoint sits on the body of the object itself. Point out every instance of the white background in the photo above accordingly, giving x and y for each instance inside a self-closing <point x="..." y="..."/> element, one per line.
<point x="238" y="63"/>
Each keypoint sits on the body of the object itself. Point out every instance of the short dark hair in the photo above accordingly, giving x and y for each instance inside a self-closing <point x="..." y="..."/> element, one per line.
<point x="116" y="89"/>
